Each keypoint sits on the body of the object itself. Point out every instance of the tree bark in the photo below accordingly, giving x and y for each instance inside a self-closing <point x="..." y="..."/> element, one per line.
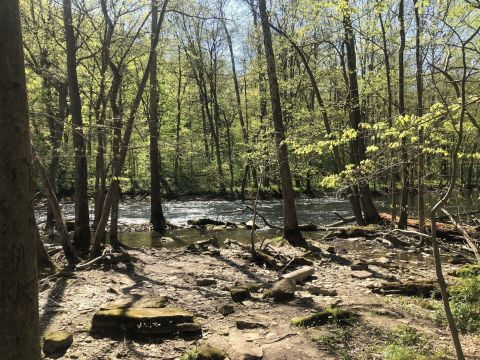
<point x="81" y="237"/>
<point x="421" y="135"/>
<point x="120" y="160"/>
<point x="357" y="146"/>
<point x="19" y="330"/>
<point x="402" y="222"/>
<point x="157" y="219"/>
<point x="291" y="231"/>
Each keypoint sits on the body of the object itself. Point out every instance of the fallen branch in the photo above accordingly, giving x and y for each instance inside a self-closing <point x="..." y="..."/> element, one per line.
<point x="465" y="234"/>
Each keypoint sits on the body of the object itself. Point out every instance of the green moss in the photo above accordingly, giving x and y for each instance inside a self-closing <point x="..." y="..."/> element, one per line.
<point x="327" y="316"/>
<point x="206" y="352"/>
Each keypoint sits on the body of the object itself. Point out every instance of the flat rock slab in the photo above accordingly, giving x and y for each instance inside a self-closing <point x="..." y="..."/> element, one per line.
<point x="57" y="342"/>
<point x="361" y="274"/>
<point x="143" y="321"/>
<point x="136" y="302"/>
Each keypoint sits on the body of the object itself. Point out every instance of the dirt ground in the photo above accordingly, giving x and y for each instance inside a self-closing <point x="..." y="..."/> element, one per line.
<point x="69" y="300"/>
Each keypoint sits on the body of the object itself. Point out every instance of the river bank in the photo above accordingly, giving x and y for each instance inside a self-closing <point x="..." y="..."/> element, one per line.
<point x="348" y="271"/>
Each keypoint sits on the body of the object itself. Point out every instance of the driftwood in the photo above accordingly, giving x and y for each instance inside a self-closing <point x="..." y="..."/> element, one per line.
<point x="465" y="234"/>
<point x="260" y="255"/>
<point x="106" y="259"/>
<point x="408" y="288"/>
<point x="444" y="230"/>
<point x="300" y="274"/>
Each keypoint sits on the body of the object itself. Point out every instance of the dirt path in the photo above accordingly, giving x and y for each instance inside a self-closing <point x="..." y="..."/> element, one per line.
<point x="69" y="302"/>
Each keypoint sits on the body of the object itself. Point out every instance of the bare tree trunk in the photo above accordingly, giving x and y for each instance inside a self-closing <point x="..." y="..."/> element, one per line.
<point x="421" y="136"/>
<point x="120" y="161"/>
<point x="176" y="162"/>
<point x="402" y="222"/>
<point x="19" y="330"/>
<point x="393" y="186"/>
<point x="58" y="215"/>
<point x="56" y="125"/>
<point x="81" y="237"/>
<point x="157" y="218"/>
<point x="357" y="146"/>
<point x="43" y="259"/>
<point x="291" y="230"/>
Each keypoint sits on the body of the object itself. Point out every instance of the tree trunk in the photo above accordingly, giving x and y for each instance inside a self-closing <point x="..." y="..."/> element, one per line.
<point x="176" y="162"/>
<point x="157" y="218"/>
<point x="357" y="146"/>
<point x="19" y="330"/>
<point x="120" y="160"/>
<point x="291" y="231"/>
<point x="421" y="136"/>
<point x="402" y="222"/>
<point x="58" y="215"/>
<point x="393" y="185"/>
<point x="81" y="237"/>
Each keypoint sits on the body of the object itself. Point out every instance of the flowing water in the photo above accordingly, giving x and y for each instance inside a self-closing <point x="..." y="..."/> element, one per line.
<point x="320" y="211"/>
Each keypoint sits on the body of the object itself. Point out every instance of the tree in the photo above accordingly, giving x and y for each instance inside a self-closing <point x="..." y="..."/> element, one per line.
<point x="156" y="212"/>
<point x="291" y="231"/>
<point x="81" y="237"/>
<point x="19" y="332"/>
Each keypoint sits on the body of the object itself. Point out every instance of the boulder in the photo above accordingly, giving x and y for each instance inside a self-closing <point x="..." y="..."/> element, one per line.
<point x="249" y="225"/>
<point x="204" y="222"/>
<point x="150" y="321"/>
<point x="226" y="309"/>
<point x="242" y="325"/>
<point x="240" y="293"/>
<point x="359" y="266"/>
<point x="283" y="290"/>
<point x="206" y="282"/>
<point x="57" y="342"/>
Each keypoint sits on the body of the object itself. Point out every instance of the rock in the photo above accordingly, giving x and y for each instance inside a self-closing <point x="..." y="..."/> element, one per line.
<point x="331" y="249"/>
<point x="208" y="352"/>
<point x="460" y="259"/>
<point x="204" y="222"/>
<point x="249" y="225"/>
<point x="133" y="301"/>
<point x="242" y="350"/>
<point x="328" y="316"/>
<point x="151" y="321"/>
<point x="317" y="290"/>
<point x="239" y="293"/>
<point x="226" y="309"/>
<point x="359" y="266"/>
<point x="283" y="290"/>
<point x="57" y="342"/>
<point x="219" y="227"/>
<point x="317" y="334"/>
<point x="363" y="274"/>
<point x="242" y="325"/>
<point x="206" y="282"/>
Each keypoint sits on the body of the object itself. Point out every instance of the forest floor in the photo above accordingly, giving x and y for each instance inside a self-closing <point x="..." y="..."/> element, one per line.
<point x="259" y="328"/>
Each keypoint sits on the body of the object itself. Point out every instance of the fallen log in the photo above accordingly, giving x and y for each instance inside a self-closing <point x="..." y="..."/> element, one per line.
<point x="444" y="230"/>
<point x="465" y="234"/>
<point x="423" y="288"/>
<point x="300" y="274"/>
<point x="260" y="255"/>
